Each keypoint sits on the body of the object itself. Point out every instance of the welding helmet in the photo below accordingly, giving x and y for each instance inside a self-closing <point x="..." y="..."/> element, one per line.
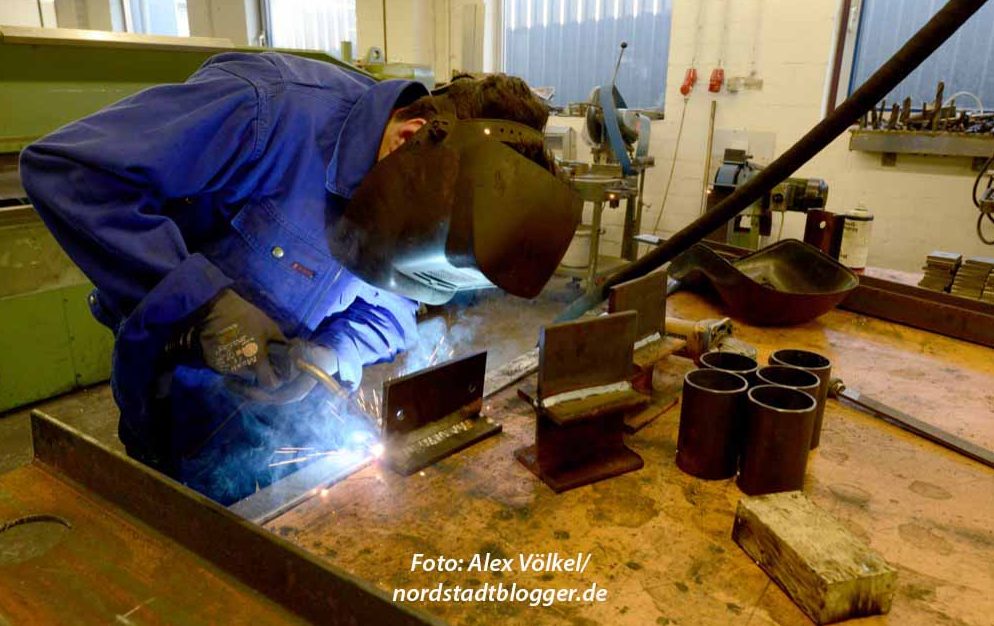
<point x="457" y="208"/>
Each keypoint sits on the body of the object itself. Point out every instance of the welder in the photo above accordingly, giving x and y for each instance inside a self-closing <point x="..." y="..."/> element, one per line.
<point x="274" y="207"/>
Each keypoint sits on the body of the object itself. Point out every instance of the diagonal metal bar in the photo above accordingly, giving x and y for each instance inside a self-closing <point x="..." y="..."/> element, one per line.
<point x="316" y="591"/>
<point x="911" y="424"/>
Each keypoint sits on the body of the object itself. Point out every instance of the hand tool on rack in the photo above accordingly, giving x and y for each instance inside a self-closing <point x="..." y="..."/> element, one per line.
<point x="895" y="111"/>
<point x="838" y="390"/>
<point x="938" y="105"/>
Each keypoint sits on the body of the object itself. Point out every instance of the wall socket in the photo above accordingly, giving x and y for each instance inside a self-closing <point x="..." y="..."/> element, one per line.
<point x="740" y="83"/>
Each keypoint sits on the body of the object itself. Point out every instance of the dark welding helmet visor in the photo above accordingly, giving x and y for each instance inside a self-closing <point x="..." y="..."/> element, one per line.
<point x="456" y="208"/>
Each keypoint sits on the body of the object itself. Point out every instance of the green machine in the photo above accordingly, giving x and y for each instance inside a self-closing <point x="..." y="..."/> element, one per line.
<point x="49" y="342"/>
<point x="752" y="229"/>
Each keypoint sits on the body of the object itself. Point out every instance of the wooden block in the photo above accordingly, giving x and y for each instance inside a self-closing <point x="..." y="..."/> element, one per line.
<point x="829" y="573"/>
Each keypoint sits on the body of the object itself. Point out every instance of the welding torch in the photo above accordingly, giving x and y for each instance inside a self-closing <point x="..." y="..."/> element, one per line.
<point x="302" y="354"/>
<point x="296" y="355"/>
<point x="305" y="358"/>
<point x="318" y="374"/>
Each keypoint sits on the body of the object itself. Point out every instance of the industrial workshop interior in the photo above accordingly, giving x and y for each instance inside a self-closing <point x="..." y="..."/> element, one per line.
<point x="472" y="312"/>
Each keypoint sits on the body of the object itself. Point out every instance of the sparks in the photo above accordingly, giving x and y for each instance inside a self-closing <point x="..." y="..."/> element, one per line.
<point x="308" y="457"/>
<point x="289" y="461"/>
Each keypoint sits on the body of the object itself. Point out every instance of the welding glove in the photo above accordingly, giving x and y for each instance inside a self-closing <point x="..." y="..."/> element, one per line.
<point x="234" y="338"/>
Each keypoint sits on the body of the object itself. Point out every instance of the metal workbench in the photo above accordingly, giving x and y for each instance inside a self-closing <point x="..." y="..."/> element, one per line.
<point x="660" y="540"/>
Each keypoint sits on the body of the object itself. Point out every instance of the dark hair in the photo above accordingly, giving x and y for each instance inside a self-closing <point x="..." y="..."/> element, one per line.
<point x="496" y="96"/>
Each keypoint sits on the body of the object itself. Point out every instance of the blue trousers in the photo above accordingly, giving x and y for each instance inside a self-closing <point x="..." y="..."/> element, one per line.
<point x="226" y="447"/>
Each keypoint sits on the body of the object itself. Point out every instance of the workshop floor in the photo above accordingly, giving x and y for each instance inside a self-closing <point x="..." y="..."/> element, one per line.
<point x="503" y="325"/>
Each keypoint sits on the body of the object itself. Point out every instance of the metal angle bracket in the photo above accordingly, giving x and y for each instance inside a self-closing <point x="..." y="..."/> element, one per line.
<point x="583" y="395"/>
<point x="647" y="297"/>
<point x="434" y="413"/>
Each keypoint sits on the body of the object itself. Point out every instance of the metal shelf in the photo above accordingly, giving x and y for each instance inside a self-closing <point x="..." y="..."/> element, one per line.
<point x="934" y="143"/>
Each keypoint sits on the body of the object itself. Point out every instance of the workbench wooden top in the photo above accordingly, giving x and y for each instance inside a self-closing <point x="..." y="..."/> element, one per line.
<point x="660" y="540"/>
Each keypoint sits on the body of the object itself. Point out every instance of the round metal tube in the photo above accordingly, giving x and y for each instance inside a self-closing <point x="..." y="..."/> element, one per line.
<point x="731" y="362"/>
<point x="712" y="422"/>
<point x="778" y="433"/>
<point x="918" y="48"/>
<point x="787" y="376"/>
<point x="818" y="365"/>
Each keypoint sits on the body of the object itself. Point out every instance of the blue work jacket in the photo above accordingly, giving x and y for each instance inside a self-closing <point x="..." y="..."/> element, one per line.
<point x="227" y="180"/>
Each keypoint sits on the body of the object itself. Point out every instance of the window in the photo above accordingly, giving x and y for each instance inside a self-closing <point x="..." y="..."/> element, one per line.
<point x="572" y="45"/>
<point x="154" y="17"/>
<point x="312" y="24"/>
<point x="963" y="63"/>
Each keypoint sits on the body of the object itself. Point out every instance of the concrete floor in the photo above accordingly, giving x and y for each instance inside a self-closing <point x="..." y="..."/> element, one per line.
<point x="503" y="325"/>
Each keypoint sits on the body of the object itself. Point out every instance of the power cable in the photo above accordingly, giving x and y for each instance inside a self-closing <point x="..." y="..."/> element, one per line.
<point x="669" y="178"/>
<point x="976" y="201"/>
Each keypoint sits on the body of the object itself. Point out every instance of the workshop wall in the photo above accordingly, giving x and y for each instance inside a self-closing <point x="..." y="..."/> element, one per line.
<point x="20" y="13"/>
<point x="85" y="14"/>
<point x="447" y="35"/>
<point x="237" y="20"/>
<point x="410" y="28"/>
<point x="921" y="204"/>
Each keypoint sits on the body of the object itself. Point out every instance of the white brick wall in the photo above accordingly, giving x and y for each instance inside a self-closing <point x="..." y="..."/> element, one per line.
<point x="920" y="205"/>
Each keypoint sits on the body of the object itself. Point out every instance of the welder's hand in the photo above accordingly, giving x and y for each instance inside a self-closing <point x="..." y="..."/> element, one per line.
<point x="235" y="339"/>
<point x="286" y="360"/>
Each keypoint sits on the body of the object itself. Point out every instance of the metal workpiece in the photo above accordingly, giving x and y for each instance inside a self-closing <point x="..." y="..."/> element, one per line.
<point x="141" y="541"/>
<point x="787" y="283"/>
<point x="817" y="364"/>
<point x="731" y="362"/>
<point x="583" y="395"/>
<point x="712" y="423"/>
<point x="294" y="489"/>
<point x="946" y="439"/>
<point x="777" y="440"/>
<point x="434" y="413"/>
<point x="647" y="297"/>
<point x="789" y="376"/>
<point x="586" y="353"/>
<point x="934" y="311"/>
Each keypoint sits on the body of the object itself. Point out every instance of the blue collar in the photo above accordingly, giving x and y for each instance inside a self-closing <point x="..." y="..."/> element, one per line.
<point x="359" y="140"/>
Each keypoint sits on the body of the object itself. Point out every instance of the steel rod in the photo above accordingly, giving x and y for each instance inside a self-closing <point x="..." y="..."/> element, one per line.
<point x="913" y="425"/>
<point x="918" y="48"/>
<point x="707" y="158"/>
